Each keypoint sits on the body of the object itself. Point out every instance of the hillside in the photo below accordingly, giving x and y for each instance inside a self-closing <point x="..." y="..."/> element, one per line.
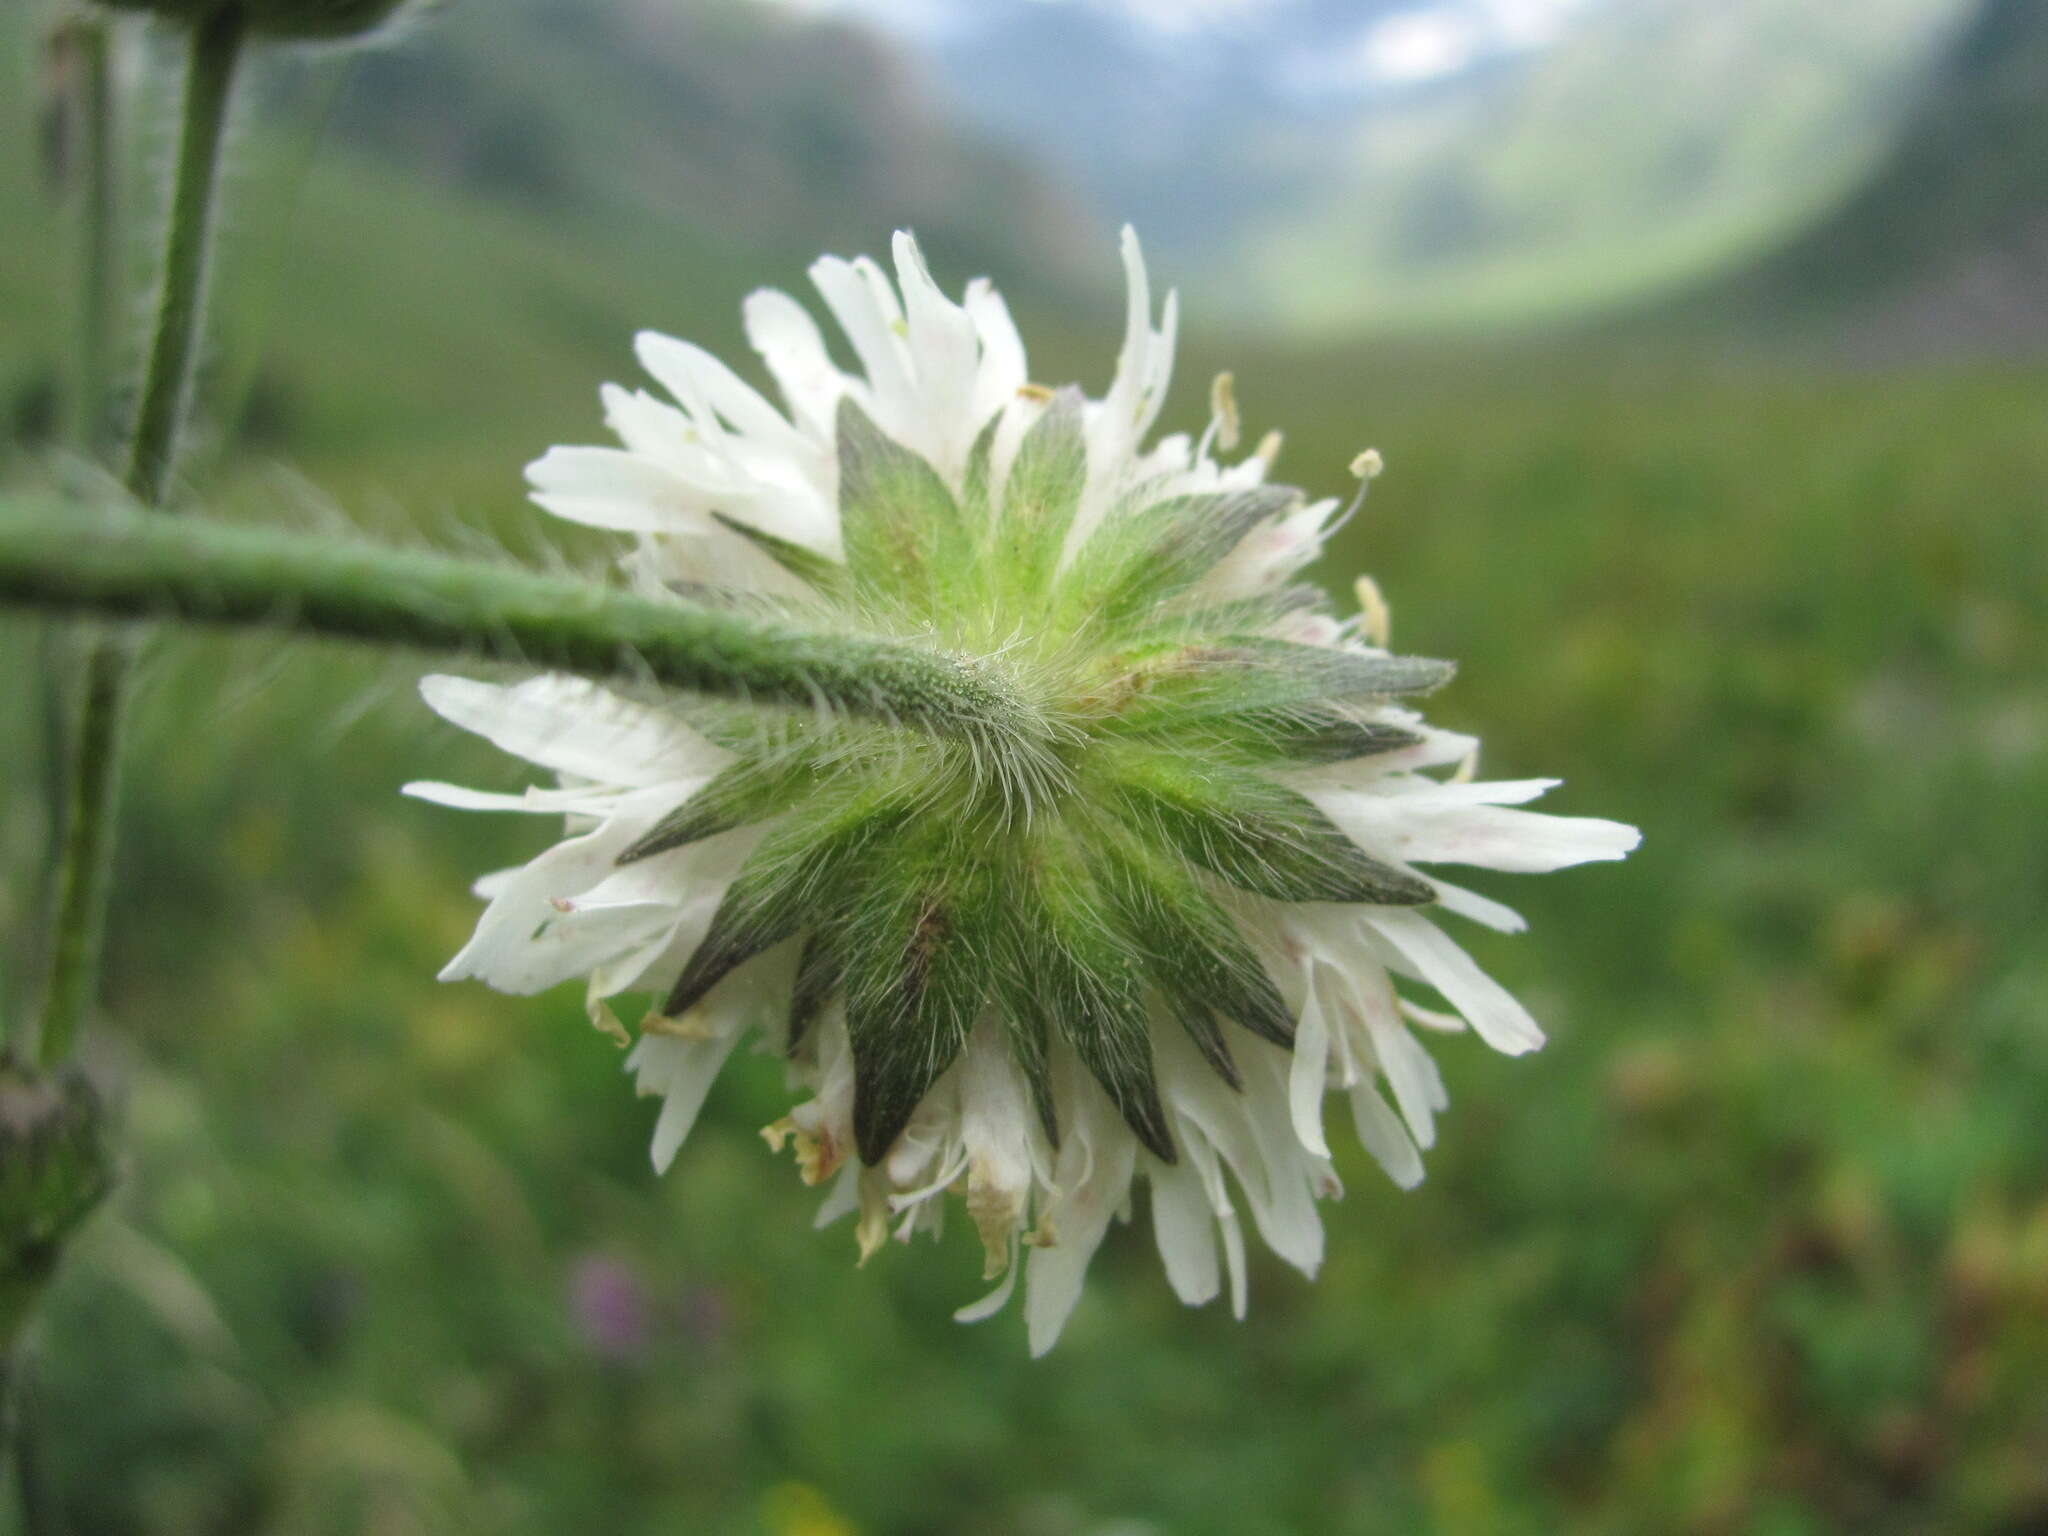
<point x="1657" y="141"/>
<point x="747" y="122"/>
<point x="545" y="178"/>
<point x="1945" y="247"/>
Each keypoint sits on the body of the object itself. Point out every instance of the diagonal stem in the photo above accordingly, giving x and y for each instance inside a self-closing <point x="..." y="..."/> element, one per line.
<point x="85" y="855"/>
<point x="125" y="566"/>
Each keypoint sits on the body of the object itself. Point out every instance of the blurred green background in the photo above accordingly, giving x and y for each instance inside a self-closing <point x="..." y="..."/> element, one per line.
<point x="1746" y="546"/>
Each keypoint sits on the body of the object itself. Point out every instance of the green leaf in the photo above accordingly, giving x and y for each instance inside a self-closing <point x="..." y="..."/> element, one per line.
<point x="751" y="790"/>
<point x="975" y="500"/>
<point x="1190" y="947"/>
<point x="1143" y="558"/>
<point x="799" y="874"/>
<point x="1186" y="622"/>
<point x="1207" y="1034"/>
<point x="916" y="981"/>
<point x="1326" y="738"/>
<point x="819" y="972"/>
<point x="1085" y="983"/>
<point x="897" y="518"/>
<point x="1179" y="687"/>
<point x="1030" y="1036"/>
<point x="1042" y="494"/>
<point x="1252" y="833"/>
<point x="1283" y="736"/>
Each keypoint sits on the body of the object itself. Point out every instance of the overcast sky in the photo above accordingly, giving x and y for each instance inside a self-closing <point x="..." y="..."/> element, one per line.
<point x="1391" y="42"/>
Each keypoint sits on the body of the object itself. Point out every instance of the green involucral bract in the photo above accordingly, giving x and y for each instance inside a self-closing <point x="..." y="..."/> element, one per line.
<point x="1067" y="873"/>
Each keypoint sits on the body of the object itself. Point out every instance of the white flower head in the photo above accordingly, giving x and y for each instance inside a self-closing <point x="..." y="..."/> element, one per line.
<point x="1148" y="941"/>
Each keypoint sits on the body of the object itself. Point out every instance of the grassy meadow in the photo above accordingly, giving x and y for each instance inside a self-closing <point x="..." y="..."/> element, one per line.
<point x="1759" y="1243"/>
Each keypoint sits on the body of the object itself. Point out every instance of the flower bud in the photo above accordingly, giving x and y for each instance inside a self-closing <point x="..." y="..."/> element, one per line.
<point x="53" y="1171"/>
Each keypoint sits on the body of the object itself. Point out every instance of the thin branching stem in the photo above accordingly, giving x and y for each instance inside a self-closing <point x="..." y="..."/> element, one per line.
<point x="97" y="236"/>
<point x="124" y="566"/>
<point x="85" y="855"/>
<point x="213" y="53"/>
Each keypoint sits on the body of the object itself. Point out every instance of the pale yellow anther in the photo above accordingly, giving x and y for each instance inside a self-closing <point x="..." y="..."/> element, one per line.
<point x="871" y="1230"/>
<point x="1035" y="392"/>
<point x="605" y="1021"/>
<point x="1375" y="618"/>
<point x="1269" y="447"/>
<point x="997" y="1211"/>
<point x="692" y="1025"/>
<point x="817" y="1157"/>
<point x="1223" y="408"/>
<point x="1368" y="464"/>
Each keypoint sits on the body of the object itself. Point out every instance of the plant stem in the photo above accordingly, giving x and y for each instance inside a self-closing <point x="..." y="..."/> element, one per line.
<point x="85" y="857"/>
<point x="21" y="1432"/>
<point x="91" y="111"/>
<point x="200" y="572"/>
<point x="214" y="50"/>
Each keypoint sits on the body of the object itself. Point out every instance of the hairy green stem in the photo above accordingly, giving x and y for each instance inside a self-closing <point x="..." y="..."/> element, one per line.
<point x="94" y="113"/>
<point x="85" y="856"/>
<point x="130" y="567"/>
<point x="214" y="50"/>
<point x="85" y="860"/>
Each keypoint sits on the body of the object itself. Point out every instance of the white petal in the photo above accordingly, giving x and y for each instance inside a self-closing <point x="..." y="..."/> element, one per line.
<point x="1410" y="1070"/>
<point x="1202" y="1158"/>
<point x="858" y="297"/>
<point x="943" y="352"/>
<point x="995" y="1300"/>
<point x="681" y="1070"/>
<point x="996" y="1130"/>
<point x="1002" y="372"/>
<point x="1309" y="1072"/>
<point x="583" y="801"/>
<point x="522" y="943"/>
<point x="649" y="428"/>
<point x="574" y="726"/>
<point x="628" y="969"/>
<point x="1283" y="1199"/>
<point x="1428" y="952"/>
<point x="843" y="1198"/>
<point x="1267" y="557"/>
<point x="1097" y="1157"/>
<point x="1185" y="1228"/>
<point x="1480" y="909"/>
<point x="1381" y="1133"/>
<point x="1424" y="823"/>
<point x="1480" y="791"/>
<point x="689" y="877"/>
<point x="610" y="488"/>
<point x="689" y="372"/>
<point x="521" y="958"/>
<point x="789" y="342"/>
<point x="1252" y="1131"/>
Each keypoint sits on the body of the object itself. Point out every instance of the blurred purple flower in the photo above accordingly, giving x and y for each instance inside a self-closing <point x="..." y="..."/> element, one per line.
<point x="609" y="1306"/>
